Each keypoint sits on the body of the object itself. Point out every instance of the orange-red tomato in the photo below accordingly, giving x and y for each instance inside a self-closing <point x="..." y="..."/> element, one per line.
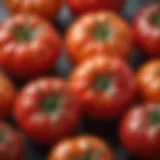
<point x="97" y="33"/>
<point x="148" y="81"/>
<point x="7" y="96"/>
<point x="80" y="148"/>
<point x="11" y="143"/>
<point x="104" y="87"/>
<point x="78" y="7"/>
<point x="29" y="45"/>
<point x="140" y="131"/>
<point x="45" y="8"/>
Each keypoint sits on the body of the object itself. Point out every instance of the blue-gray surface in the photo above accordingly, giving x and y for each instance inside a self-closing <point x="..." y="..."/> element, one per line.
<point x="34" y="152"/>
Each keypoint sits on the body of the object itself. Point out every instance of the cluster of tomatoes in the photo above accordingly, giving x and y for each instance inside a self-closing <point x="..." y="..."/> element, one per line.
<point x="102" y="86"/>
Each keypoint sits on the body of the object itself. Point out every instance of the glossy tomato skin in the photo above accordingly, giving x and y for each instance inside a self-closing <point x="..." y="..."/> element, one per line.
<point x="10" y="138"/>
<point x="45" y="112"/>
<point x="7" y="96"/>
<point x="29" y="46"/>
<point x="148" y="81"/>
<point x="79" y="7"/>
<point x="110" y="102"/>
<point x="79" y="146"/>
<point x="138" y="134"/>
<point x="46" y="9"/>
<point x="97" y="33"/>
<point x="147" y="32"/>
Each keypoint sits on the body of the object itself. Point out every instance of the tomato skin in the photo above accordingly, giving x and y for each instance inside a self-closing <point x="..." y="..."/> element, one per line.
<point x="137" y="134"/>
<point x="146" y="33"/>
<point x="11" y="139"/>
<point x="148" y="81"/>
<point x="73" y="146"/>
<point x="81" y="41"/>
<point x="110" y="103"/>
<point x="46" y="9"/>
<point x="42" y="126"/>
<point x="29" y="57"/>
<point x="79" y="7"/>
<point x="7" y="96"/>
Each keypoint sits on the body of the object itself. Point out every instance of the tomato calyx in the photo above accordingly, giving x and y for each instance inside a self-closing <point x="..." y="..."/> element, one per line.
<point x="104" y="83"/>
<point x="53" y="105"/>
<point x="89" y="155"/>
<point x="25" y="33"/>
<point x="101" y="32"/>
<point x="156" y="19"/>
<point x="155" y="116"/>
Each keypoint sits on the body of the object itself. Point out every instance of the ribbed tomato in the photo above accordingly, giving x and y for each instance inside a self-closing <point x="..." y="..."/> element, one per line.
<point x="45" y="8"/>
<point x="147" y="30"/>
<point x="98" y="33"/>
<point x="7" y="96"/>
<point x="140" y="131"/>
<point x="11" y="143"/>
<point x="29" y="45"/>
<point x="45" y="111"/>
<point x="148" y="81"/>
<point x="104" y="87"/>
<point x="78" y="7"/>
<point x="82" y="148"/>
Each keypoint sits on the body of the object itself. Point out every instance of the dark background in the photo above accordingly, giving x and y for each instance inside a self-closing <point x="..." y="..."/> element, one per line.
<point x="63" y="68"/>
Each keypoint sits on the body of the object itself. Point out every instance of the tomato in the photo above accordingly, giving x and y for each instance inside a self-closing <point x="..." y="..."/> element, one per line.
<point x="29" y="46"/>
<point x="82" y="6"/>
<point x="97" y="33"/>
<point x="147" y="30"/>
<point x="103" y="86"/>
<point x="140" y="131"/>
<point x="81" y="148"/>
<point x="7" y="96"/>
<point x="11" y="143"/>
<point x="148" y="81"/>
<point x="45" y="8"/>
<point x="45" y="112"/>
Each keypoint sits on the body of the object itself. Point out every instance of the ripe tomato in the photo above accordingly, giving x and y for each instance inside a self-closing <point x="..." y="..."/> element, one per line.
<point x="80" y="148"/>
<point x="140" y="131"/>
<point x="45" y="112"/>
<point x="45" y="8"/>
<point x="103" y="86"/>
<point x="82" y="6"/>
<point x="28" y="45"/>
<point x="11" y="143"/>
<point x="147" y="30"/>
<point x="148" y="81"/>
<point x="7" y="96"/>
<point x="97" y="33"/>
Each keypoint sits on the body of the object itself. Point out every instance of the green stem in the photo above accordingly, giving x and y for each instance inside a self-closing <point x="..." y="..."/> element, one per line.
<point x="155" y="116"/>
<point x="156" y="19"/>
<point x="101" y="32"/>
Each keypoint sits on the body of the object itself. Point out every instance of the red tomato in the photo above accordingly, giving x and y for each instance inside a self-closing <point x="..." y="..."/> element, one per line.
<point x="45" y="8"/>
<point x="147" y="30"/>
<point x="140" y="131"/>
<point x="82" y="6"/>
<point x="45" y="112"/>
<point x="80" y="148"/>
<point x="148" y="81"/>
<point x="97" y="33"/>
<point x="11" y="143"/>
<point x="7" y="96"/>
<point x="29" y="45"/>
<point x="103" y="86"/>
